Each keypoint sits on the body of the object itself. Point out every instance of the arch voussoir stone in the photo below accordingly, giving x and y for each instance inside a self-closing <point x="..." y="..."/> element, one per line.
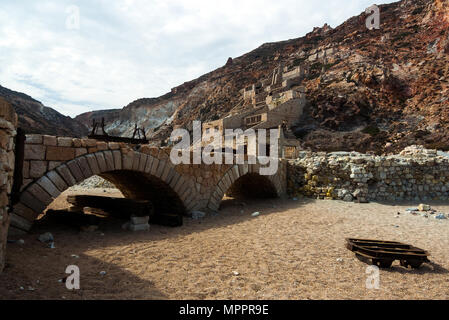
<point x="49" y="187"/>
<point x="84" y="167"/>
<point x="101" y="161"/>
<point x="57" y="180"/>
<point x="109" y="159"/>
<point x="75" y="171"/>
<point x="92" y="160"/>
<point x="65" y="173"/>
<point x="127" y="160"/>
<point x="142" y="162"/>
<point x="117" y="154"/>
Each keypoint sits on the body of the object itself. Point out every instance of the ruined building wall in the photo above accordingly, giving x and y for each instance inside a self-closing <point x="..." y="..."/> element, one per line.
<point x="416" y="174"/>
<point x="8" y="125"/>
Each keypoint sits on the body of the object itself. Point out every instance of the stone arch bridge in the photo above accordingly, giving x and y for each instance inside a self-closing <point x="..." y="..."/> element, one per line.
<point x="53" y="164"/>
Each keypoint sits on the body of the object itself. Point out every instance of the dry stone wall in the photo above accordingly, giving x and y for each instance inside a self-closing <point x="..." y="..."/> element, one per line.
<point x="8" y="125"/>
<point x="415" y="174"/>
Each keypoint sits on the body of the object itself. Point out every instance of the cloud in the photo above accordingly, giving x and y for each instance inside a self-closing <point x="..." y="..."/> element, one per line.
<point x="129" y="49"/>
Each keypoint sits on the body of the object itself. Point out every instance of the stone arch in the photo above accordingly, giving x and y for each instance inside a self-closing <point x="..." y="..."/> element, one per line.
<point x="114" y="165"/>
<point x="236" y="174"/>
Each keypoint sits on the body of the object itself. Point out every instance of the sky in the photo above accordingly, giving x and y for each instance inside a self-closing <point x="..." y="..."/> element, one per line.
<point x="78" y="56"/>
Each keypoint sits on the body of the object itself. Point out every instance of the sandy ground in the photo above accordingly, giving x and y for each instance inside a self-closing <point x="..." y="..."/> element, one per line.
<point x="293" y="250"/>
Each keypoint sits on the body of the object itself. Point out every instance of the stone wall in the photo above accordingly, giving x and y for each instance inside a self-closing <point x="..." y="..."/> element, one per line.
<point x="8" y="125"/>
<point x="415" y="174"/>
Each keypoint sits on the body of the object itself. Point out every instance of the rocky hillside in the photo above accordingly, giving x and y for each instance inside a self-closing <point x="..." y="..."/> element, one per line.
<point x="34" y="117"/>
<point x="368" y="90"/>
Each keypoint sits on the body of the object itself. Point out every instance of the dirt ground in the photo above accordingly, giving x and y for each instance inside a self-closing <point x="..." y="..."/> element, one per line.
<point x="293" y="250"/>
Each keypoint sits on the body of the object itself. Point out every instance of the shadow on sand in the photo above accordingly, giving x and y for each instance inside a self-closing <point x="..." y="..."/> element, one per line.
<point x="20" y="282"/>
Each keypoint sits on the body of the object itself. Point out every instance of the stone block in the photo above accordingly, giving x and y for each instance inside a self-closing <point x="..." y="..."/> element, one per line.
<point x="80" y="152"/>
<point x="65" y="142"/>
<point x="113" y="146"/>
<point x="84" y="166"/>
<point x="127" y="160"/>
<point x="109" y="158"/>
<point x="60" y="153"/>
<point x="57" y="180"/>
<point x="53" y="164"/>
<point x="37" y="168"/>
<point x="77" y="143"/>
<point x="49" y="187"/>
<point x="101" y="146"/>
<point x="50" y="140"/>
<point x="34" y="152"/>
<point x="117" y="159"/>
<point x="75" y="171"/>
<point x="160" y="168"/>
<point x="20" y="222"/>
<point x="88" y="143"/>
<point x="143" y="162"/>
<point x="136" y="162"/>
<point x="32" y="202"/>
<point x="39" y="193"/>
<point x="93" y="164"/>
<point x="149" y="164"/>
<point x="34" y="139"/>
<point x="65" y="173"/>
<point x="154" y="166"/>
<point x="25" y="212"/>
<point x="26" y="169"/>
<point x="139" y="227"/>
<point x="140" y="220"/>
<point x="101" y="161"/>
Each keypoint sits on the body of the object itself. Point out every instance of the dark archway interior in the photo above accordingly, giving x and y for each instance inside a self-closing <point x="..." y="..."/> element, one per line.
<point x="139" y="186"/>
<point x="252" y="185"/>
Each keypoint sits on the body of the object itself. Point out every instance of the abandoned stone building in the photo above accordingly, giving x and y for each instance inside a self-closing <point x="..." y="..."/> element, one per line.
<point x="274" y="103"/>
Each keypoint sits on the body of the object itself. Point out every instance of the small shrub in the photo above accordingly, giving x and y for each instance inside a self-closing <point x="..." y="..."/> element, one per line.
<point x="371" y="130"/>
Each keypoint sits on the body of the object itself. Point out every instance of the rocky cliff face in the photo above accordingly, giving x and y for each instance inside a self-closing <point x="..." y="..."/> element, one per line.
<point x="368" y="90"/>
<point x="34" y="117"/>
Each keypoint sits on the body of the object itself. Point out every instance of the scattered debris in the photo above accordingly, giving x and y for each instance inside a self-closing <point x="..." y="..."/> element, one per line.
<point x="46" y="237"/>
<point x="102" y="273"/>
<point x="255" y="214"/>
<point x="235" y="273"/>
<point x="424" y="207"/>
<point x="425" y="210"/>
<point x="441" y="216"/>
<point x="137" y="224"/>
<point x="75" y="256"/>
<point x="196" y="215"/>
<point x="339" y="259"/>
